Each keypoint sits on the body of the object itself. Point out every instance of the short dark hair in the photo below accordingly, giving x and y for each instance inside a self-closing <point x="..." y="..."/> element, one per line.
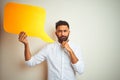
<point x="60" y="22"/>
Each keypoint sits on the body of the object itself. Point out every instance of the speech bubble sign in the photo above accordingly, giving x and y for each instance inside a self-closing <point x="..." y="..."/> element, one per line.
<point x="27" y="18"/>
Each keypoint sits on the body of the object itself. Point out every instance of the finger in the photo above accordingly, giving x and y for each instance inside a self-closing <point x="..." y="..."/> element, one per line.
<point x="63" y="44"/>
<point x="22" y="36"/>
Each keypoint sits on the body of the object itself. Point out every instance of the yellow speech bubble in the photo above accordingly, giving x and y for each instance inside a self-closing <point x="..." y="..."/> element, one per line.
<point x="27" y="18"/>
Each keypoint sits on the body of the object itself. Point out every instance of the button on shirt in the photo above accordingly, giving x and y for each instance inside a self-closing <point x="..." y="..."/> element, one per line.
<point x="58" y="60"/>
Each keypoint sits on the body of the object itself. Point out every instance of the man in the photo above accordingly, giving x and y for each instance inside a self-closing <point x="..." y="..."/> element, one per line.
<point x="63" y="58"/>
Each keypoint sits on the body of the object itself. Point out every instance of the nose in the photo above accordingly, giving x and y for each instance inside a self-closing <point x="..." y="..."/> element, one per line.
<point x="62" y="33"/>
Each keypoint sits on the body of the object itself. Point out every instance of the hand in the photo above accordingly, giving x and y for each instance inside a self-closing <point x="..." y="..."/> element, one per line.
<point x="73" y="57"/>
<point x="23" y="37"/>
<point x="66" y="46"/>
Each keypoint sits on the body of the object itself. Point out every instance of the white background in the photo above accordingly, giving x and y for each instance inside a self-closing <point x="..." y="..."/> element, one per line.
<point x="95" y="27"/>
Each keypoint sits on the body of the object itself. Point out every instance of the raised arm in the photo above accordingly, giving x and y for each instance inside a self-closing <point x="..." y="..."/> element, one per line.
<point x="23" y="38"/>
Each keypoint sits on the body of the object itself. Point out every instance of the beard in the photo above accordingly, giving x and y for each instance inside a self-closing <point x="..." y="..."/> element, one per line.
<point x="62" y="38"/>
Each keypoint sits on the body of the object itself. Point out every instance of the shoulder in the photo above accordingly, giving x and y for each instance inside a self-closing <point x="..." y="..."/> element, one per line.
<point x="75" y="46"/>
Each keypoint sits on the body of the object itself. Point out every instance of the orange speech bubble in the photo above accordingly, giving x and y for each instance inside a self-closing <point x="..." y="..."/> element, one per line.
<point x="27" y="18"/>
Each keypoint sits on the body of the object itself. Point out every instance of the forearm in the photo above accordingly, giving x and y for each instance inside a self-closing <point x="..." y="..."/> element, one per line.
<point x="73" y="58"/>
<point x="78" y="64"/>
<point x="27" y="52"/>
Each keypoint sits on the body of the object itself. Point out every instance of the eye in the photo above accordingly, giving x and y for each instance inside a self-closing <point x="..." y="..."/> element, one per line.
<point x="65" y="30"/>
<point x="59" y="31"/>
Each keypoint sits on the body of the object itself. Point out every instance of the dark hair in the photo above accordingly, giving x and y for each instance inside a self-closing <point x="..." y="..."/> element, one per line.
<point x="59" y="23"/>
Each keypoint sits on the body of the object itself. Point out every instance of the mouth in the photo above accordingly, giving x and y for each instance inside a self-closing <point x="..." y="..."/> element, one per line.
<point x="63" y="38"/>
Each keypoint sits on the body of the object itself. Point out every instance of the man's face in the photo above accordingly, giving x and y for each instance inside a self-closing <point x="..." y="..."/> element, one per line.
<point x="62" y="33"/>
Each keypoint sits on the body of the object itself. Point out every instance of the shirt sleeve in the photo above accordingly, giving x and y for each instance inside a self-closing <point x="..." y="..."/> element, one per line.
<point x="79" y="66"/>
<point x="37" y="58"/>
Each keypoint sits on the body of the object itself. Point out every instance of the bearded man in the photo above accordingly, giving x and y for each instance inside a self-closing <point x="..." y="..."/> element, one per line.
<point x="63" y="58"/>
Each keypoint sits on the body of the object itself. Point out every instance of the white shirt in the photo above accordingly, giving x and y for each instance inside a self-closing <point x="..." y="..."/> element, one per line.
<point x="58" y="60"/>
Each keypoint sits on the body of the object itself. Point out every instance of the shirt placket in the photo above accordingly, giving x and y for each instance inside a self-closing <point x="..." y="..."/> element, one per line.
<point x="62" y="65"/>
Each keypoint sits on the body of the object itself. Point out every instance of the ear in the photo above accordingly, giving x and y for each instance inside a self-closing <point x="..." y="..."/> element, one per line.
<point x="55" y="33"/>
<point x="69" y="31"/>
